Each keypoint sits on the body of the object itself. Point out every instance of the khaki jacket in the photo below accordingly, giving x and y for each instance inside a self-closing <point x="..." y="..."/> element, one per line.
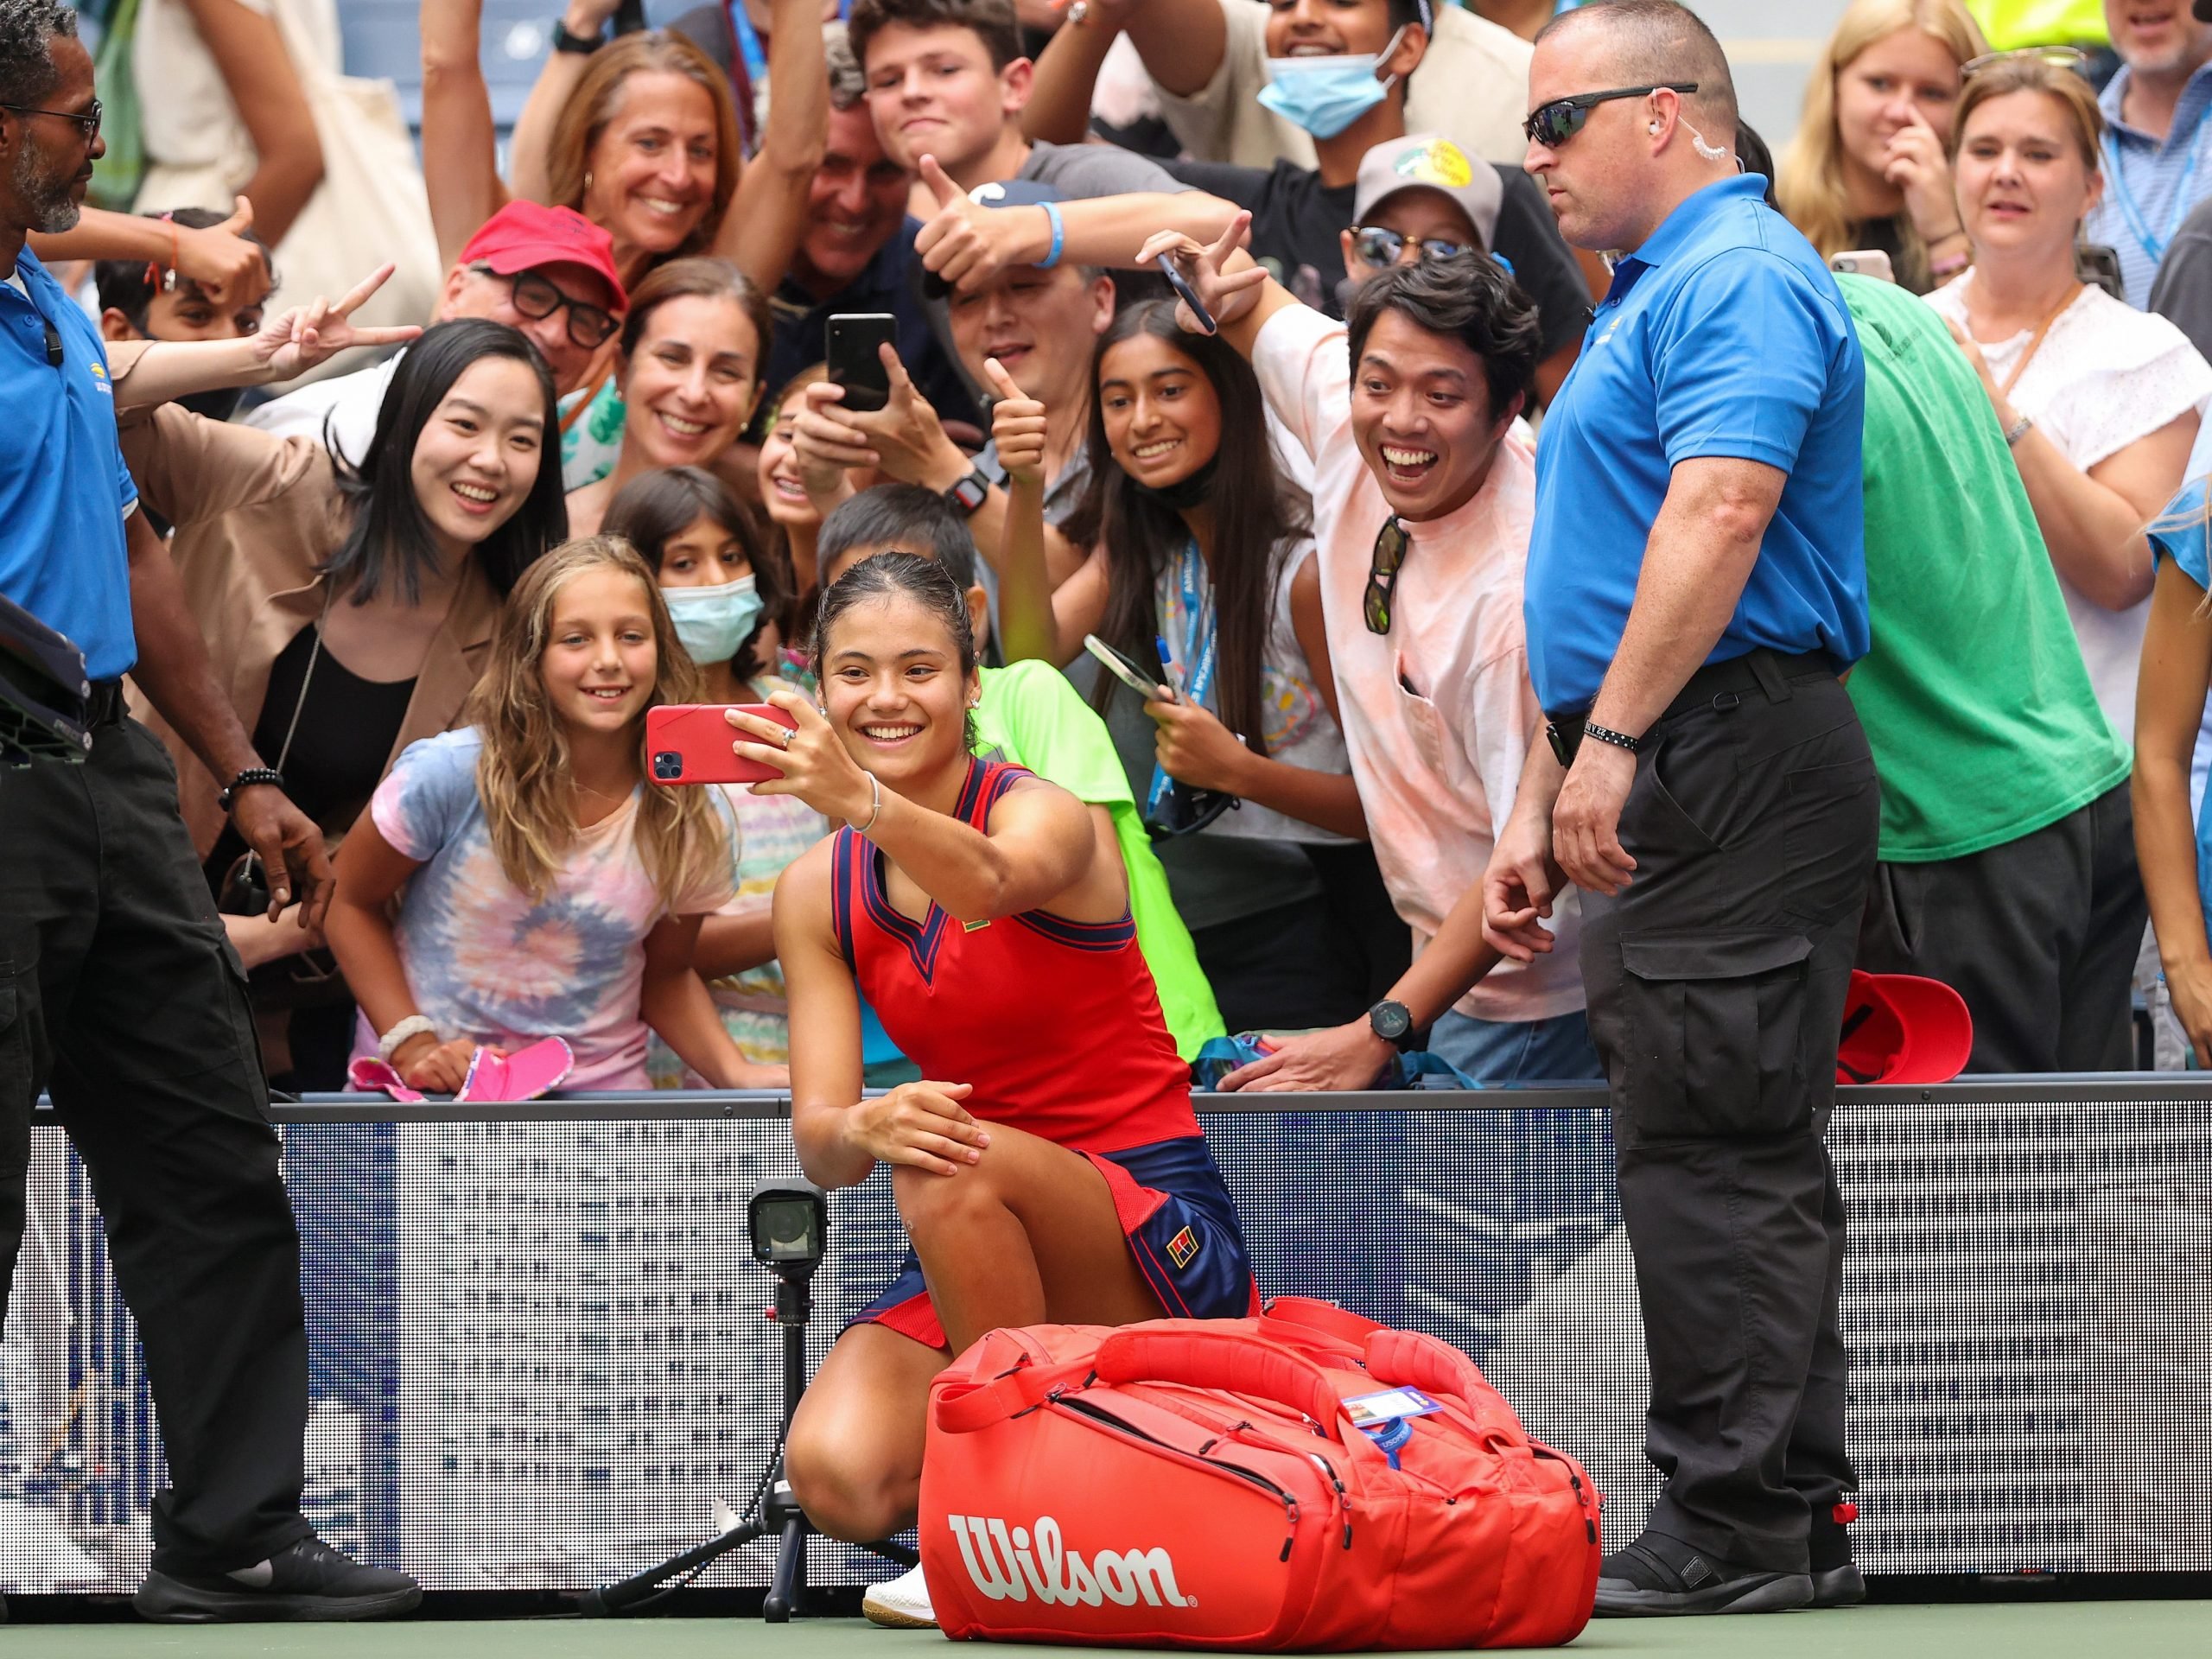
<point x="255" y="515"/>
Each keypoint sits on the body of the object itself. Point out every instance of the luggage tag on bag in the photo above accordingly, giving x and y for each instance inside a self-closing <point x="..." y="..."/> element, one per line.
<point x="1385" y="1417"/>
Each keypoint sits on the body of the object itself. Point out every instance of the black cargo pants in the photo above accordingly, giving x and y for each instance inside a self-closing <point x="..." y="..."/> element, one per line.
<point x="119" y="994"/>
<point x="1717" y="981"/>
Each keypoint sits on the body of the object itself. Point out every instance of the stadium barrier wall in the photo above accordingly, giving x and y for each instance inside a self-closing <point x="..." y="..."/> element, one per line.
<point x="539" y="1359"/>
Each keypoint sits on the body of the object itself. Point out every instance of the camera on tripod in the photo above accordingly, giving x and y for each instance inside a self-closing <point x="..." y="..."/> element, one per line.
<point x="789" y="1227"/>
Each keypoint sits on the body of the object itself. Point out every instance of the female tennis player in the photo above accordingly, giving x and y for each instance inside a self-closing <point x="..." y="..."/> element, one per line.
<point x="1050" y="1168"/>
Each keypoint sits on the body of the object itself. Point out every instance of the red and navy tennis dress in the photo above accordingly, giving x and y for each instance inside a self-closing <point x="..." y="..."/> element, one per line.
<point x="1057" y="1027"/>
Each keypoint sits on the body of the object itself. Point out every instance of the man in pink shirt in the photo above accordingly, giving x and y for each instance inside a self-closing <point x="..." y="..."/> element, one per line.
<point x="1423" y="496"/>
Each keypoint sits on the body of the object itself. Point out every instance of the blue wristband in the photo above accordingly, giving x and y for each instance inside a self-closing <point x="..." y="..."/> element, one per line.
<point x="1060" y="235"/>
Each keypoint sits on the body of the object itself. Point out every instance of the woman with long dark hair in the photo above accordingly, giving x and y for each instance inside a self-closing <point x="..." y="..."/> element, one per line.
<point x="353" y="608"/>
<point x="1205" y="572"/>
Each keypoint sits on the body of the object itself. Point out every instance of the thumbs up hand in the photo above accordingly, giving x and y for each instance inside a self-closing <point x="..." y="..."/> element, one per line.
<point x="231" y="270"/>
<point x="1018" y="427"/>
<point x="965" y="243"/>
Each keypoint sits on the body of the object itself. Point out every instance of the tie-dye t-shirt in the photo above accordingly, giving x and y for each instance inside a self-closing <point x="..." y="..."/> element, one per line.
<point x="484" y="960"/>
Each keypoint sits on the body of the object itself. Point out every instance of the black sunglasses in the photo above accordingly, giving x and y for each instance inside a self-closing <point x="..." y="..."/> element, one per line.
<point x="1392" y="544"/>
<point x="1552" y="124"/>
<point x="88" y="121"/>
<point x="536" y="298"/>
<point x="1378" y="246"/>
<point x="1183" y="811"/>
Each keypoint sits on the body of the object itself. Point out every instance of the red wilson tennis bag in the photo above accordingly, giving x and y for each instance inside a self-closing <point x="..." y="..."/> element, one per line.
<point x="1207" y="1484"/>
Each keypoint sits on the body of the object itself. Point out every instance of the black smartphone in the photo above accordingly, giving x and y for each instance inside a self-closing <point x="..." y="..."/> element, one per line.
<point x="630" y="18"/>
<point x="850" y="348"/>
<point x="2095" y="262"/>
<point x="1188" y="294"/>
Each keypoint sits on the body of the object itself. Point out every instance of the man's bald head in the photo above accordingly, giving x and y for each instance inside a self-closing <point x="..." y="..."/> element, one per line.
<point x="1657" y="42"/>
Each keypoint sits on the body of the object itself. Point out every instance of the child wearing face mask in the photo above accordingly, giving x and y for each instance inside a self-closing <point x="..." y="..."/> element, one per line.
<point x="544" y="888"/>
<point x="732" y="597"/>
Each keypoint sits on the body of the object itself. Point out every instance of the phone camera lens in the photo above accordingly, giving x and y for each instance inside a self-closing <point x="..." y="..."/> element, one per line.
<point x="668" y="765"/>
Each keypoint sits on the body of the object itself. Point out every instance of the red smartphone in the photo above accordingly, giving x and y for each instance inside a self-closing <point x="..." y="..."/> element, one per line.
<point x="691" y="743"/>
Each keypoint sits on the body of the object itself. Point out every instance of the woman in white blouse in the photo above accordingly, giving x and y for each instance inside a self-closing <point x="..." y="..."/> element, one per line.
<point x="2099" y="400"/>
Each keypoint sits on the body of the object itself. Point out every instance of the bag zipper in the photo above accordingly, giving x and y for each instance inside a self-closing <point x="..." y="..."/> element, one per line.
<point x="1288" y="1499"/>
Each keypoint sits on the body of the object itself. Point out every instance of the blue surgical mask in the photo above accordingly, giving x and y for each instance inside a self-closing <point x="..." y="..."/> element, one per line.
<point x="713" y="622"/>
<point x="1326" y="95"/>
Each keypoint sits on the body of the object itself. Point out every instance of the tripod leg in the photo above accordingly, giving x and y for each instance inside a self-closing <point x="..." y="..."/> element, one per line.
<point x="790" y="1583"/>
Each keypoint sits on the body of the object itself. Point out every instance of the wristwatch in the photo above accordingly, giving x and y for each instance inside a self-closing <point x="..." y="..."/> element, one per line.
<point x="971" y="492"/>
<point x="247" y="780"/>
<point x="1392" y="1022"/>
<point x="582" y="45"/>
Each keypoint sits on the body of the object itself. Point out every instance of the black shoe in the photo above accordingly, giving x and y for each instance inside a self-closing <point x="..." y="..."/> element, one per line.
<point x="1836" y="1582"/>
<point x="1656" y="1575"/>
<point x="308" y="1581"/>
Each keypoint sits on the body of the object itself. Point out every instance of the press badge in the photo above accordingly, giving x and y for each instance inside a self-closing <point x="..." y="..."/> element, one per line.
<point x="1389" y="1406"/>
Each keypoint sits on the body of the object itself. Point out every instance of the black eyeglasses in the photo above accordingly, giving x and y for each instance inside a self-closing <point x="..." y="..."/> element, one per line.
<point x="1380" y="247"/>
<point x="1392" y="544"/>
<point x="536" y="298"/>
<point x="88" y="121"/>
<point x="1552" y="124"/>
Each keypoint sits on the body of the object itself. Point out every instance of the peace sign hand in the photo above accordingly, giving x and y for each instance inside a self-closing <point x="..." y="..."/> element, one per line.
<point x="1227" y="281"/>
<point x="299" y="338"/>
<point x="811" y="762"/>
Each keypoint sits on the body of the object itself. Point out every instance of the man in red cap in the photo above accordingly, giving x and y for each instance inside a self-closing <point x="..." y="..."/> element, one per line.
<point x="548" y="271"/>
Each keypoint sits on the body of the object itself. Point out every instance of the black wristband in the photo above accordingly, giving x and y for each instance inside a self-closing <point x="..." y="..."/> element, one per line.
<point x="251" y="777"/>
<point x="582" y="45"/>
<point x="1606" y="734"/>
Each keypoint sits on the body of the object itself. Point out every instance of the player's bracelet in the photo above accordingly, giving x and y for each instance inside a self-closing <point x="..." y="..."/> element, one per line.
<point x="875" y="791"/>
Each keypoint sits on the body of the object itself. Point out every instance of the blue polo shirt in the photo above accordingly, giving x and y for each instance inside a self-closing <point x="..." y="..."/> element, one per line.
<point x="2151" y="183"/>
<point x="1722" y="336"/>
<point x="64" y="489"/>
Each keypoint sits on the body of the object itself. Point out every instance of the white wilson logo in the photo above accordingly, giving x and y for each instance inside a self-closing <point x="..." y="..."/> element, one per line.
<point x="1005" y="1568"/>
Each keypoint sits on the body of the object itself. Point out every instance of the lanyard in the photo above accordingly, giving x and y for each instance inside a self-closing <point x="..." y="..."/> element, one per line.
<point x="1197" y="652"/>
<point x="2184" y="196"/>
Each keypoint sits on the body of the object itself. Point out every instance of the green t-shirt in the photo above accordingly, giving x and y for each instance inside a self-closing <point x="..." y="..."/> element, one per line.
<point x="1031" y="716"/>
<point x="1974" y="698"/>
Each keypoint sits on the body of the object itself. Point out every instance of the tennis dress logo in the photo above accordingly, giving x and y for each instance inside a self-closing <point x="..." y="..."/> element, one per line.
<point x="1005" y="1568"/>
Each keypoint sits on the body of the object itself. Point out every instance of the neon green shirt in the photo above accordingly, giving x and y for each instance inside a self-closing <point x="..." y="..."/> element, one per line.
<point x="1031" y="716"/>
<point x="2011" y="24"/>
<point x="1974" y="698"/>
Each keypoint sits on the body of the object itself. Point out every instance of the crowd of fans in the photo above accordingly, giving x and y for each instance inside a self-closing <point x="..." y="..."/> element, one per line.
<point x="613" y="453"/>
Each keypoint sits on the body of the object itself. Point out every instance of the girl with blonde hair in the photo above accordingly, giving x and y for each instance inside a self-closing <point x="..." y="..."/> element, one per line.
<point x="1868" y="168"/>
<point x="544" y="887"/>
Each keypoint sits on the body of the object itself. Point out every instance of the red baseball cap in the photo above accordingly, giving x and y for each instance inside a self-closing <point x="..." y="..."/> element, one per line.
<point x="1901" y="1028"/>
<point x="525" y="234"/>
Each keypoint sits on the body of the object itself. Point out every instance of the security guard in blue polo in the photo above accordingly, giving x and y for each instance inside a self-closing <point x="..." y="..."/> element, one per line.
<point x="119" y="992"/>
<point x="1696" y="583"/>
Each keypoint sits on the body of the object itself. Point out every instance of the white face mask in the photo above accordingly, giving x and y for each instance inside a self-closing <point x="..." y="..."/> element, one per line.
<point x="713" y="622"/>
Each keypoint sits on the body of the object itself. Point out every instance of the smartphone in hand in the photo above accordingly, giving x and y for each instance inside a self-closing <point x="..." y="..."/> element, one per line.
<point x="1127" y="671"/>
<point x="850" y="347"/>
<point x="691" y="743"/>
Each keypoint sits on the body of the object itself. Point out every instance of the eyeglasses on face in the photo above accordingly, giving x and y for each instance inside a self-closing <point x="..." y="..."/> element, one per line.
<point x="2059" y="57"/>
<point x="1392" y="544"/>
<point x="536" y="298"/>
<point x="88" y="121"/>
<point x="1378" y="246"/>
<point x="1552" y="124"/>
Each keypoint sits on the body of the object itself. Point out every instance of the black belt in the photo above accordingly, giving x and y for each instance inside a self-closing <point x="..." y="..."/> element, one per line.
<point x="1717" y="685"/>
<point x="104" y="705"/>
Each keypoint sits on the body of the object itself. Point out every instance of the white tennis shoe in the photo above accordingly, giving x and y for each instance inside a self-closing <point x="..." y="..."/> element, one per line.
<point x="901" y="1603"/>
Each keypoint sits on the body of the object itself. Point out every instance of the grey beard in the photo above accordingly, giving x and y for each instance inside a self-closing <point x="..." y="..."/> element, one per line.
<point x="47" y="201"/>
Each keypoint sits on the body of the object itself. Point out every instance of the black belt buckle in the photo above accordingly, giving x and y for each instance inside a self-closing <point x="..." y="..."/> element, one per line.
<point x="1565" y="736"/>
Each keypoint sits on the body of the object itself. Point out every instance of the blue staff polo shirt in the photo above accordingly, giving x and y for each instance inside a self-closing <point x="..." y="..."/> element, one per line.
<point x="1722" y="336"/>
<point x="64" y="489"/>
